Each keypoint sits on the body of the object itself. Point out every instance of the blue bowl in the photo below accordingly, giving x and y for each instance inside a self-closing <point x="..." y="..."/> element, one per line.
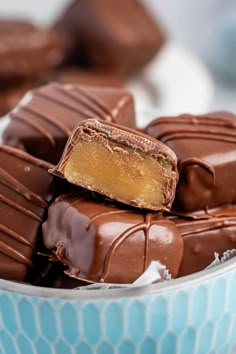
<point x="193" y="314"/>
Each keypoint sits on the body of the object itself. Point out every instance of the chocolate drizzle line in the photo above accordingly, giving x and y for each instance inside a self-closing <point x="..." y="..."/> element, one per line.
<point x="15" y="235"/>
<point x="86" y="100"/>
<point x="196" y="135"/>
<point x="207" y="225"/>
<point x="14" y="184"/>
<point x="193" y="120"/>
<point x="86" y="105"/>
<point x="145" y="227"/>
<point x="33" y="124"/>
<point x="20" y="208"/>
<point x="16" y="255"/>
<point x="200" y="127"/>
<point x="98" y="103"/>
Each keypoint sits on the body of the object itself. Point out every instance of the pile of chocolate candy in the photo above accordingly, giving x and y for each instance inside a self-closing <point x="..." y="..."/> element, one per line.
<point x="87" y="197"/>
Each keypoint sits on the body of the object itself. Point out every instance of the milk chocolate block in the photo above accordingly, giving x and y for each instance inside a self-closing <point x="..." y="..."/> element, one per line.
<point x="202" y="238"/>
<point x="26" y="51"/>
<point x="103" y="242"/>
<point x="44" y="119"/>
<point x="26" y="189"/>
<point x="75" y="75"/>
<point x="121" y="163"/>
<point x="118" y="35"/>
<point x="205" y="146"/>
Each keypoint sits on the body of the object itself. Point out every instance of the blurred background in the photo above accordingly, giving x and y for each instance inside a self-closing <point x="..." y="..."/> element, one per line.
<point x="207" y="28"/>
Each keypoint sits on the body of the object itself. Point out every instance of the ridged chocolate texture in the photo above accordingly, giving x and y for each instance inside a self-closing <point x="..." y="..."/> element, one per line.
<point x="205" y="146"/>
<point x="102" y="242"/>
<point x="202" y="238"/>
<point x="26" y="51"/>
<point x="118" y="35"/>
<point x="26" y="189"/>
<point x="44" y="119"/>
<point x="116" y="139"/>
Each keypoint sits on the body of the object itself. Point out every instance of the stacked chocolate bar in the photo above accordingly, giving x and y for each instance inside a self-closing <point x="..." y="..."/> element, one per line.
<point x="205" y="198"/>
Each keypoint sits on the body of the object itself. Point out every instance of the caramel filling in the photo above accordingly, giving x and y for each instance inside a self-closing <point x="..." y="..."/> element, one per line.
<point x="119" y="172"/>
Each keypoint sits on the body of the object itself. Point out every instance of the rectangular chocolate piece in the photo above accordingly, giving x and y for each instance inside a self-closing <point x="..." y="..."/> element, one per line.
<point x="121" y="163"/>
<point x="202" y="238"/>
<point x="113" y="35"/>
<point x="107" y="242"/>
<point x="27" y="51"/>
<point x="26" y="189"/>
<point x="44" y="119"/>
<point x="205" y="146"/>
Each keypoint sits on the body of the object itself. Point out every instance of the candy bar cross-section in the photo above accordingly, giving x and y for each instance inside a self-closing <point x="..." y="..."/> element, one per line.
<point x="44" y="119"/>
<point x="120" y="163"/>
<point x="103" y="242"/>
<point x="26" y="189"/>
<point x="205" y="146"/>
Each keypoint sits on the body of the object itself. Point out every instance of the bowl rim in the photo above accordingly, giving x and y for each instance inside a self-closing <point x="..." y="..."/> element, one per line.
<point x="154" y="289"/>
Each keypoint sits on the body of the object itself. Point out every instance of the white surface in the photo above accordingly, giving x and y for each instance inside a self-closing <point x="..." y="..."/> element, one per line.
<point x="175" y="82"/>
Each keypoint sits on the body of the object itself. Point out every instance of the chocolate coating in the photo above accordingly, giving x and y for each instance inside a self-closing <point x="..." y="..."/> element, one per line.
<point x="117" y="35"/>
<point x="105" y="242"/>
<point x="107" y="133"/>
<point x="202" y="238"/>
<point x="26" y="189"/>
<point x="75" y="75"/>
<point x="205" y="146"/>
<point x="44" y="119"/>
<point x="10" y="95"/>
<point x="26" y="51"/>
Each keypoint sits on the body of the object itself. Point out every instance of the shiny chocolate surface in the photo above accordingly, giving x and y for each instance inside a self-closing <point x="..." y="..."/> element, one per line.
<point x="105" y="242"/>
<point x="205" y="146"/>
<point x="26" y="190"/>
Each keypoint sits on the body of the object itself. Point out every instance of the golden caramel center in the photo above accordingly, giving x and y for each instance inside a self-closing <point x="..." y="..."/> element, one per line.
<point x="119" y="172"/>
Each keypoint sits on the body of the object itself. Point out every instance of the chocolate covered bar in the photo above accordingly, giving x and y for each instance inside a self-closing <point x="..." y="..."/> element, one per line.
<point x="102" y="242"/>
<point x="202" y="238"/>
<point x="113" y="35"/>
<point x="26" y="51"/>
<point x="26" y="189"/>
<point x="44" y="119"/>
<point x="75" y="75"/>
<point x="205" y="146"/>
<point x="120" y="163"/>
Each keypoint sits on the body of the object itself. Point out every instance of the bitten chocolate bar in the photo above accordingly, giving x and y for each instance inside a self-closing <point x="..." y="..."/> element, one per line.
<point x="202" y="238"/>
<point x="205" y="146"/>
<point x="120" y="163"/>
<point x="104" y="242"/>
<point x="44" y="119"/>
<point x="26" y="189"/>
<point x="113" y="35"/>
